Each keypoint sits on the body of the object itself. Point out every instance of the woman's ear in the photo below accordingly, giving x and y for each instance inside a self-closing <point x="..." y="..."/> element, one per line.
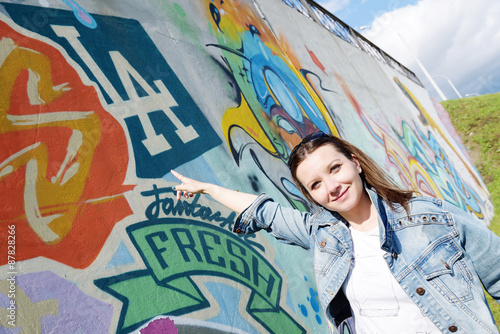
<point x="358" y="165"/>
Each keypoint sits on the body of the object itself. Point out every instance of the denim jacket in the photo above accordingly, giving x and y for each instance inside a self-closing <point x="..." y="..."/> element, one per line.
<point x="440" y="255"/>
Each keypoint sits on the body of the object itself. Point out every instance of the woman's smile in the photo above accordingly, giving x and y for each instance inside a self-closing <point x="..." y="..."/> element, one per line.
<point x="341" y="196"/>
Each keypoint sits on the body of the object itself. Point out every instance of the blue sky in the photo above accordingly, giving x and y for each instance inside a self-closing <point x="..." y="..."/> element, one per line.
<point x="457" y="41"/>
<point x="357" y="13"/>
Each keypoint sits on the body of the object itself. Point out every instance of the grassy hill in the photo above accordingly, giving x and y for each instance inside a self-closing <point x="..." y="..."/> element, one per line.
<point x="477" y="122"/>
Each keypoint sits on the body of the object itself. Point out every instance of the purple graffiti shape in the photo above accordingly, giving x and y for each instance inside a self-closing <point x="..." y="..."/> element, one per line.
<point x="81" y="14"/>
<point x="160" y="326"/>
<point x="75" y="311"/>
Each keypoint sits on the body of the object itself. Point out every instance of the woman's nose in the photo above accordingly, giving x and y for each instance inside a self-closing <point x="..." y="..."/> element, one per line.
<point x="333" y="186"/>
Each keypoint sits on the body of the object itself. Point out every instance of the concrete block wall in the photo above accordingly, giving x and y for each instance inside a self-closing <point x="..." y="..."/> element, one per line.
<point x="99" y="100"/>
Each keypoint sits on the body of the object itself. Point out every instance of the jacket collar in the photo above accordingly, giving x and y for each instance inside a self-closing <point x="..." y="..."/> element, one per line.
<point x="384" y="215"/>
<point x="324" y="217"/>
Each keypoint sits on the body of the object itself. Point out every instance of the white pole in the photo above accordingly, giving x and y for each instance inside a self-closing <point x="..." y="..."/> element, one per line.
<point x="451" y="84"/>
<point x="433" y="83"/>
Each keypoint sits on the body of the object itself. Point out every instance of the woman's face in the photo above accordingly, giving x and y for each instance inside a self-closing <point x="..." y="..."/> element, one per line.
<point x="332" y="179"/>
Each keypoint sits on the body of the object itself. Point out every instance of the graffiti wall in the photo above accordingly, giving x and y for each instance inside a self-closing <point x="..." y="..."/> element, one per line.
<point x="99" y="100"/>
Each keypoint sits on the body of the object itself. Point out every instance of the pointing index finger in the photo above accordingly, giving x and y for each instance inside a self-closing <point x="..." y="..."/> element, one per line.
<point x="177" y="175"/>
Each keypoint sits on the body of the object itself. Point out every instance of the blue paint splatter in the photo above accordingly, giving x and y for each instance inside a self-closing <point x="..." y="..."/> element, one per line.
<point x="314" y="300"/>
<point x="303" y="309"/>
<point x="314" y="303"/>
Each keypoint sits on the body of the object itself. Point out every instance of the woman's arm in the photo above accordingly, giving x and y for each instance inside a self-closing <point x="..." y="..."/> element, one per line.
<point x="234" y="200"/>
<point x="482" y="246"/>
<point x="259" y="212"/>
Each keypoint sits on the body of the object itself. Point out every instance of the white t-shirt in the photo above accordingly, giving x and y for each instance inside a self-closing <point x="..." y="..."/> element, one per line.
<point x="378" y="303"/>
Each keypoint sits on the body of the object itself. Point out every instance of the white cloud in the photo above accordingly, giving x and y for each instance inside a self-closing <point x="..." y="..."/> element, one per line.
<point x="334" y="5"/>
<point x="459" y="39"/>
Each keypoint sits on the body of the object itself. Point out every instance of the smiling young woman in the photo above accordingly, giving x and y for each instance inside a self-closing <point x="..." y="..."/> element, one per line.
<point x="332" y="180"/>
<point x="385" y="260"/>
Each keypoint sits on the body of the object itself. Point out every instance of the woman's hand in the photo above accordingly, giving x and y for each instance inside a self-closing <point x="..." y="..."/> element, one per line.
<point x="188" y="186"/>
<point x="234" y="200"/>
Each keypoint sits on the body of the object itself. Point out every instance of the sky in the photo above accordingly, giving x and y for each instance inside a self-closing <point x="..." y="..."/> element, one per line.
<point x="456" y="41"/>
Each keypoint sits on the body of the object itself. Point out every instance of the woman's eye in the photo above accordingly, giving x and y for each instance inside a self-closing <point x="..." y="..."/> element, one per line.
<point x="335" y="168"/>
<point x="314" y="185"/>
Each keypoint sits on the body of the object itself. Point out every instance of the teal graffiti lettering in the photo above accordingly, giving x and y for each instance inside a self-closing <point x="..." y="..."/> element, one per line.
<point x="206" y="248"/>
<point x="194" y="248"/>
<point x="153" y="209"/>
<point x="185" y="243"/>
<point x="169" y="206"/>
<point x="245" y="272"/>
<point x="174" y="249"/>
<point x="158" y="251"/>
<point x="256" y="274"/>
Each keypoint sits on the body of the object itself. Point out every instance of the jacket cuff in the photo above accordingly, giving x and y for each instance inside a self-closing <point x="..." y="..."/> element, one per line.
<point x="243" y="223"/>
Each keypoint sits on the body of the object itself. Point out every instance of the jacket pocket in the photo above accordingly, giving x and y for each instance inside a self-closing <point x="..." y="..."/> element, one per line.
<point x="445" y="269"/>
<point x="328" y="249"/>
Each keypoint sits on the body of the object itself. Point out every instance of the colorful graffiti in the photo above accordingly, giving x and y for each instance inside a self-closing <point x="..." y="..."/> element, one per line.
<point x="165" y="127"/>
<point x="48" y="305"/>
<point x="281" y="104"/>
<point x="176" y="251"/>
<point x="81" y="14"/>
<point x="278" y="106"/>
<point x="419" y="159"/>
<point x="56" y="155"/>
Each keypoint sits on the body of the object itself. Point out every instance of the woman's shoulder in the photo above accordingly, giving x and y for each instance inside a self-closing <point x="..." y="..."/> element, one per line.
<point x="426" y="200"/>
<point x="431" y="204"/>
<point x="421" y="204"/>
<point x="322" y="216"/>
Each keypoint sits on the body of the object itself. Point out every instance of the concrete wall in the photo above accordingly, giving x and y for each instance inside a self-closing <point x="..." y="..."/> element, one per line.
<point x="99" y="100"/>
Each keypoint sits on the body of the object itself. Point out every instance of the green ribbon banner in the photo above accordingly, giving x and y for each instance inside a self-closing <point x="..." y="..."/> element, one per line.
<point x="176" y="249"/>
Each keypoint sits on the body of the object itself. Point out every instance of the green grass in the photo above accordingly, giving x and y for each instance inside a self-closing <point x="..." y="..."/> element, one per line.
<point x="477" y="122"/>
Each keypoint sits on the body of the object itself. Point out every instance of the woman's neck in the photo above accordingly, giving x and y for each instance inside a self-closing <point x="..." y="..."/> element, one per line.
<point x="364" y="217"/>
